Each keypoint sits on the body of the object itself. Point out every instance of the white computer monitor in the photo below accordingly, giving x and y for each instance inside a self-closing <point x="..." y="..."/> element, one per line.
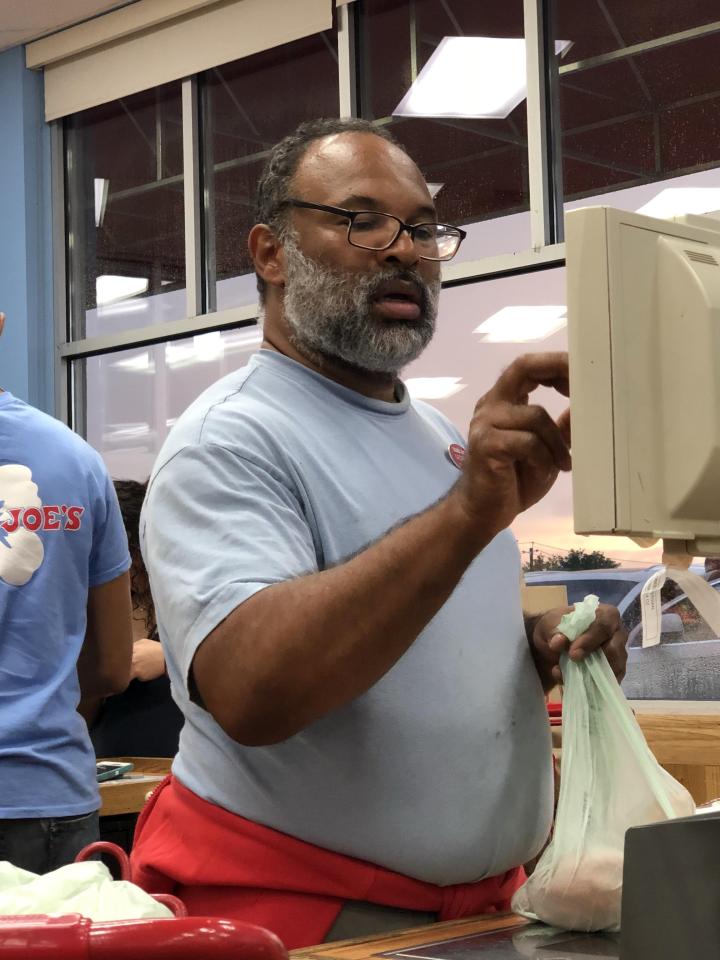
<point x="644" y="341"/>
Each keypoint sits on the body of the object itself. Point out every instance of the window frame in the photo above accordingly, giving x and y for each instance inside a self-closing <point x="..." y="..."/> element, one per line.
<point x="546" y="196"/>
<point x="545" y="210"/>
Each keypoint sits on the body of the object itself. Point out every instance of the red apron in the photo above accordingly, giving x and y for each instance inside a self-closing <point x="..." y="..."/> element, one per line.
<point x="223" y="865"/>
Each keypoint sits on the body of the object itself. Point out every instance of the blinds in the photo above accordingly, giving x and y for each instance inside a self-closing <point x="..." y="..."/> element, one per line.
<point x="152" y="42"/>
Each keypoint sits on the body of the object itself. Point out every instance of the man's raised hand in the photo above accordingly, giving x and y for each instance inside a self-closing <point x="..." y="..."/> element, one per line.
<point x="515" y="449"/>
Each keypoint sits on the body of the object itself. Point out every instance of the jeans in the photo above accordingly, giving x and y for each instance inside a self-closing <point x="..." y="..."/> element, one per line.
<point x="41" y="845"/>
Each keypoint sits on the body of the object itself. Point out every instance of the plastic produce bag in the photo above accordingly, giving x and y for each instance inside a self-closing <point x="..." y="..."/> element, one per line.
<point x="609" y="781"/>
<point x="86" y="888"/>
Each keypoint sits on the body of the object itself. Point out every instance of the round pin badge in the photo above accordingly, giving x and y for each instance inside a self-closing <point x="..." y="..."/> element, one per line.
<point x="456" y="454"/>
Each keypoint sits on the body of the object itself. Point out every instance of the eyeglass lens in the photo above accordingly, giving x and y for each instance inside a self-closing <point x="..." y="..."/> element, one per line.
<point x="375" y="231"/>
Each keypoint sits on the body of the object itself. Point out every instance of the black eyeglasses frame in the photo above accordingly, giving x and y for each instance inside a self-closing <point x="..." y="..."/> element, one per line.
<point x="409" y="228"/>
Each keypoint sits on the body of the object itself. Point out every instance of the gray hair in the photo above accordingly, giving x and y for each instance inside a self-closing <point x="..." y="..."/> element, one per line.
<point x="274" y="185"/>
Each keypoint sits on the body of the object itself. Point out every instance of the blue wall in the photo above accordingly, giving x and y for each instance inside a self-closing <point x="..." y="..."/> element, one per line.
<point x="27" y="346"/>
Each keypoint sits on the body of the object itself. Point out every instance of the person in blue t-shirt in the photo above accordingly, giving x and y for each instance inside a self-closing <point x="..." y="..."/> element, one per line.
<point x="65" y="631"/>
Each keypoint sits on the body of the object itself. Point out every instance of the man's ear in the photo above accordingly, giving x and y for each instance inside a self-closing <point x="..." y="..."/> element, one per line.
<point x="267" y="254"/>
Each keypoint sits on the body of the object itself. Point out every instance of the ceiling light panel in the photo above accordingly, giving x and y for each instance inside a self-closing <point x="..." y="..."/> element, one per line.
<point x="522" y="324"/>
<point x="470" y="77"/>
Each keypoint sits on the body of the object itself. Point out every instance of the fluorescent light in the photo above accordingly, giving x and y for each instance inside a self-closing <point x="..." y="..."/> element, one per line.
<point x="122" y="309"/>
<point x="434" y="388"/>
<point x="674" y="201"/>
<point x="101" y="195"/>
<point x="472" y="77"/>
<point x="522" y="324"/>
<point x="179" y="354"/>
<point x="205" y="347"/>
<point x="127" y="431"/>
<point x="110" y="288"/>
<point x="141" y="363"/>
<point x="208" y="346"/>
<point x="243" y="339"/>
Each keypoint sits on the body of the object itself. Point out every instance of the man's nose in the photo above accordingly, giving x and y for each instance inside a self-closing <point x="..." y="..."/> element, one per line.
<point x="401" y="250"/>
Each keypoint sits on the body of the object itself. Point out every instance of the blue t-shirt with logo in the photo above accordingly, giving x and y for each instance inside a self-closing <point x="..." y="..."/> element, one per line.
<point x="61" y="533"/>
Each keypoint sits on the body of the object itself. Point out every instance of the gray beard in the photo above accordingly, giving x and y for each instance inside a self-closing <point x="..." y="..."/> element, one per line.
<point x="329" y="313"/>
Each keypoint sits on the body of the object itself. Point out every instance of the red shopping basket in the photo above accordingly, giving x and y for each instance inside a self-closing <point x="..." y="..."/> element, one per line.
<point x="113" y="850"/>
<point x="74" y="937"/>
<point x="555" y="714"/>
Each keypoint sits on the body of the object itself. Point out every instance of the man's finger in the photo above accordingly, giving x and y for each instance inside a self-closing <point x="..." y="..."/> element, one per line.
<point x="530" y="371"/>
<point x="526" y="424"/>
<point x="606" y="636"/>
<point x="563" y="425"/>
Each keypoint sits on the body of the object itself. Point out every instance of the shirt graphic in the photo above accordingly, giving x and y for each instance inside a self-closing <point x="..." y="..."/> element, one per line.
<point x="21" y="514"/>
<point x="21" y="549"/>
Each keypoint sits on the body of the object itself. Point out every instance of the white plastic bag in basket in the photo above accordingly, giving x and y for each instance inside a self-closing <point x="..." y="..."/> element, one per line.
<point x="86" y="888"/>
<point x="609" y="781"/>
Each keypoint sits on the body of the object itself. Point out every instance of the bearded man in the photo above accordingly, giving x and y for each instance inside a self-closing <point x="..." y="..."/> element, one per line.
<point x="366" y="745"/>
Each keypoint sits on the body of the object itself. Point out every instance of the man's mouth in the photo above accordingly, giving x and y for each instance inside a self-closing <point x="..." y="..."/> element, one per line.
<point x="398" y="300"/>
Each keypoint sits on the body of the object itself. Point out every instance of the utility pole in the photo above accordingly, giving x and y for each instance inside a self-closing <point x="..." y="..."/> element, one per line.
<point x="531" y="554"/>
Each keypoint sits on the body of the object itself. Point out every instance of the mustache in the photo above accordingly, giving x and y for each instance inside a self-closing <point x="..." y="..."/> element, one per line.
<point x="372" y="284"/>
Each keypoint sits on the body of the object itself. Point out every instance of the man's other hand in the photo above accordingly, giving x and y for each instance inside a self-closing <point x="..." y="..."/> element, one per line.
<point x="607" y="633"/>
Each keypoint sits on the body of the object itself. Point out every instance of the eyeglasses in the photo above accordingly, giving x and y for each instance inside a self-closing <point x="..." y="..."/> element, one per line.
<point x="378" y="231"/>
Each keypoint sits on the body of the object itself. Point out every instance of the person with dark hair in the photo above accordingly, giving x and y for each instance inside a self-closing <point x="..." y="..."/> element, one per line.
<point x="143" y="721"/>
<point x="366" y="743"/>
<point x="65" y="632"/>
<point x="148" y="661"/>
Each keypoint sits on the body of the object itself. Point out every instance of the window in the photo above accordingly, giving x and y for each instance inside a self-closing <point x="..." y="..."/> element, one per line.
<point x="138" y="394"/>
<point x="638" y="103"/>
<point x="248" y="106"/>
<point x="686" y="663"/>
<point x="478" y="168"/>
<point x="125" y="213"/>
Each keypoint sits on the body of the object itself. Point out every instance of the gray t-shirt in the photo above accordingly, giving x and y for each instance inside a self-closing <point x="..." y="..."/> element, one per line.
<point x="442" y="770"/>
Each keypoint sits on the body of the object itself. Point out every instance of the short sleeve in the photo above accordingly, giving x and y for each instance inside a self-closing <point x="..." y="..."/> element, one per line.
<point x="216" y="528"/>
<point x="109" y="555"/>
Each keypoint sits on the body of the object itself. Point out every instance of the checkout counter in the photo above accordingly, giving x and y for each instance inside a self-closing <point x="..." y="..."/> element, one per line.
<point x="127" y="795"/>
<point x="490" y="938"/>
<point x="670" y="911"/>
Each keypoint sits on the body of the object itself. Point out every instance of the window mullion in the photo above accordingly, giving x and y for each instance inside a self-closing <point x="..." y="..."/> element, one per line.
<point x="347" y="67"/>
<point x="192" y="198"/>
<point x="544" y="157"/>
<point x="59" y="267"/>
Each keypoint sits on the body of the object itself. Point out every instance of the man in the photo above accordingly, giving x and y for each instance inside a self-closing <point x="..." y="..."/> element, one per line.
<point x="366" y="742"/>
<point x="65" y="632"/>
